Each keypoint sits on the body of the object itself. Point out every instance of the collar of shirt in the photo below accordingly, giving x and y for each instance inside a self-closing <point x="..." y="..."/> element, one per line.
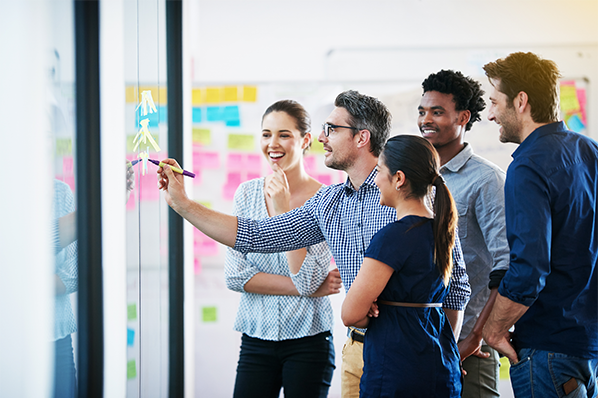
<point x="455" y="164"/>
<point x="537" y="134"/>
<point x="369" y="182"/>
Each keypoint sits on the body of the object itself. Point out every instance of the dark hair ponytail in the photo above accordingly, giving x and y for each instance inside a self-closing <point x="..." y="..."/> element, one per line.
<point x="419" y="161"/>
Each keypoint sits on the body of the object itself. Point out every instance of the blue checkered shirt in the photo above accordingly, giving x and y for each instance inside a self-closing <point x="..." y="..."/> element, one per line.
<point x="272" y="317"/>
<point x="345" y="218"/>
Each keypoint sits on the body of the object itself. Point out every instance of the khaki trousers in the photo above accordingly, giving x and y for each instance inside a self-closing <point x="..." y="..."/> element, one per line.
<point x="351" y="368"/>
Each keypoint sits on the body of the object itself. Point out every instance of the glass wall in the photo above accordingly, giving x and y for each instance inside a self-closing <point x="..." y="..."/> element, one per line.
<point x="146" y="212"/>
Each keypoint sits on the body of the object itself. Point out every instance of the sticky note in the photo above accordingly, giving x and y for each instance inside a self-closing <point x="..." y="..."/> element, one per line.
<point x="131" y="369"/>
<point x="575" y="124"/>
<point x="209" y="314"/>
<point x="130" y="94"/>
<point x="131" y="203"/>
<point x="130" y="337"/>
<point x="241" y="142"/>
<point x="581" y="97"/>
<point x="504" y="368"/>
<point x="197" y="266"/>
<point x="325" y="179"/>
<point x="230" y="115"/>
<point x="213" y="95"/>
<point x="228" y="192"/>
<point x="202" y="136"/>
<point x="64" y="146"/>
<point x="70" y="181"/>
<point x="206" y="160"/>
<point x="230" y="94"/>
<point x="252" y="176"/>
<point x="163" y="113"/>
<point x="214" y="114"/>
<point x="196" y="96"/>
<point x="235" y="161"/>
<point x="316" y="148"/>
<point x="249" y="93"/>
<point x="254" y="163"/>
<point x="309" y="162"/>
<point x="132" y="312"/>
<point x="196" y="115"/>
<point x="148" y="188"/>
<point x="162" y="96"/>
<point x="154" y="119"/>
<point x="67" y="166"/>
<point x="569" y="102"/>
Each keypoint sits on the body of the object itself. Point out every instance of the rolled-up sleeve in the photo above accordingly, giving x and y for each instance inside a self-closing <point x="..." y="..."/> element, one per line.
<point x="314" y="269"/>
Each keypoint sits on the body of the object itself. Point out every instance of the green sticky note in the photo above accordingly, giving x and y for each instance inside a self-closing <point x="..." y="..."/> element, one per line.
<point x="504" y="368"/>
<point x="131" y="369"/>
<point x="202" y="136"/>
<point x="242" y="142"/>
<point x="64" y="146"/>
<point x="209" y="314"/>
<point x="316" y="147"/>
<point x="132" y="312"/>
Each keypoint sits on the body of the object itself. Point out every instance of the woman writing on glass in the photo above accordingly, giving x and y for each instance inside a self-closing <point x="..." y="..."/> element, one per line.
<point x="409" y="347"/>
<point x="284" y="314"/>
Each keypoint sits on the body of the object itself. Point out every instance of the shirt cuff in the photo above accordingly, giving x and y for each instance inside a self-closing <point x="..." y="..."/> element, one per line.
<point x="496" y="277"/>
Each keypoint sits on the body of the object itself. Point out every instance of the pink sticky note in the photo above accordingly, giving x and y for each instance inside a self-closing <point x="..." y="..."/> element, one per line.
<point x="67" y="165"/>
<point x="581" y="97"/>
<point x="233" y="179"/>
<point x="70" y="181"/>
<point x="131" y="202"/>
<point x="197" y="265"/>
<point x="325" y="179"/>
<point x="254" y="163"/>
<point x="148" y="187"/>
<point x="206" y="160"/>
<point x="209" y="247"/>
<point x="252" y="176"/>
<point x="236" y="161"/>
<point x="310" y="164"/>
<point x="197" y="180"/>
<point x="228" y="192"/>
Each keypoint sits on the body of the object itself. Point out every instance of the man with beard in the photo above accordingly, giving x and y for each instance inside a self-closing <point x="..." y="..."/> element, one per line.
<point x="450" y="105"/>
<point x="345" y="215"/>
<point x="549" y="292"/>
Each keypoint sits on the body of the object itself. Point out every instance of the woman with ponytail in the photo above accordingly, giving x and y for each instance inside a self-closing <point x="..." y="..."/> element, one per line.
<point x="409" y="346"/>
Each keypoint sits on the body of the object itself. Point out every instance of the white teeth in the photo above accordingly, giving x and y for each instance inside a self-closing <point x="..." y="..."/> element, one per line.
<point x="276" y="155"/>
<point x="429" y="131"/>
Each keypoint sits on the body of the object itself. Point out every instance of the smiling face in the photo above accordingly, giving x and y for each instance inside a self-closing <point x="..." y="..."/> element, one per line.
<point x="503" y="113"/>
<point x="340" y="146"/>
<point x="440" y="123"/>
<point x="281" y="141"/>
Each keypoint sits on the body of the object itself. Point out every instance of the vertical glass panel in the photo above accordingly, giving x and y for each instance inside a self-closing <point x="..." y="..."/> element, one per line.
<point x="147" y="222"/>
<point x="61" y="98"/>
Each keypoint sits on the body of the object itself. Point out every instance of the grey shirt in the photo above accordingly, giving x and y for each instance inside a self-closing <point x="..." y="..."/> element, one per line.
<point x="477" y="186"/>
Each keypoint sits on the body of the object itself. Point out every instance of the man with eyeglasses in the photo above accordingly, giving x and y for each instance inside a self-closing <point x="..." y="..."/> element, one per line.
<point x="346" y="215"/>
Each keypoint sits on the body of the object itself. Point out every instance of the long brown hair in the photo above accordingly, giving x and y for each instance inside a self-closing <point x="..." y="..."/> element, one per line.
<point x="419" y="161"/>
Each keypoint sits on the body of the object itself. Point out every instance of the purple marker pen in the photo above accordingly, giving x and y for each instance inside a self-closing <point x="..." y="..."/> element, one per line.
<point x="180" y="171"/>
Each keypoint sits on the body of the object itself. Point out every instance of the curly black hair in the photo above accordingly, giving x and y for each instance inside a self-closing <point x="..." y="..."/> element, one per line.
<point x="467" y="93"/>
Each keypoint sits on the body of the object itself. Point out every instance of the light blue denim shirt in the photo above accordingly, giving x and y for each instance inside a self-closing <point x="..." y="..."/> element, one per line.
<point x="477" y="186"/>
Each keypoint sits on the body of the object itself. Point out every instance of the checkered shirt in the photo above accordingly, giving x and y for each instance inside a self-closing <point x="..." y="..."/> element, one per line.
<point x="345" y="218"/>
<point x="271" y="317"/>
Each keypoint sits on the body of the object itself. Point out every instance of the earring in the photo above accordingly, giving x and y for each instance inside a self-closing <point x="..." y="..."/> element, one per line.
<point x="398" y="188"/>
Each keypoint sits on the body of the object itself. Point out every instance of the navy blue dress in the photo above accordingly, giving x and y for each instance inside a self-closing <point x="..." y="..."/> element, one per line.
<point x="410" y="352"/>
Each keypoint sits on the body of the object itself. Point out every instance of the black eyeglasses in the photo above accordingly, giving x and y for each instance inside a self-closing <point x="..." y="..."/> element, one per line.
<point x="327" y="127"/>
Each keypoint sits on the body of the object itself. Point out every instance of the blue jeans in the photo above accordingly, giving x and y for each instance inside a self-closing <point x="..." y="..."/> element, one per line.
<point x="545" y="374"/>
<point x="65" y="381"/>
<point x="303" y="367"/>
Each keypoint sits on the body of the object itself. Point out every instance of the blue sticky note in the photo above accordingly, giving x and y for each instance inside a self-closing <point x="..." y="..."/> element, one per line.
<point x="154" y="119"/>
<point x="575" y="124"/>
<point x="163" y="112"/>
<point x="196" y="115"/>
<point x="130" y="337"/>
<point x="214" y="114"/>
<point x="230" y="114"/>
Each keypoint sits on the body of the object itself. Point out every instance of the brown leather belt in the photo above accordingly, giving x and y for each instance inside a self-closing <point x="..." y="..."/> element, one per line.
<point x="416" y="305"/>
<point x="356" y="335"/>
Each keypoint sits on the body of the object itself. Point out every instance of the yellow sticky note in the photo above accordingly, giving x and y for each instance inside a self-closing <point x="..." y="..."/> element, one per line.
<point x="241" y="142"/>
<point x="130" y="96"/>
<point x="64" y="146"/>
<point x="213" y="95"/>
<point x="162" y="96"/>
<point x="209" y="314"/>
<point x="196" y="96"/>
<point x="504" y="368"/>
<point x="250" y="93"/>
<point x="202" y="136"/>
<point x="231" y="94"/>
<point x="153" y="89"/>
<point x="206" y="204"/>
<point x="131" y="369"/>
<point x="569" y="101"/>
<point x="132" y="312"/>
<point x="316" y="147"/>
